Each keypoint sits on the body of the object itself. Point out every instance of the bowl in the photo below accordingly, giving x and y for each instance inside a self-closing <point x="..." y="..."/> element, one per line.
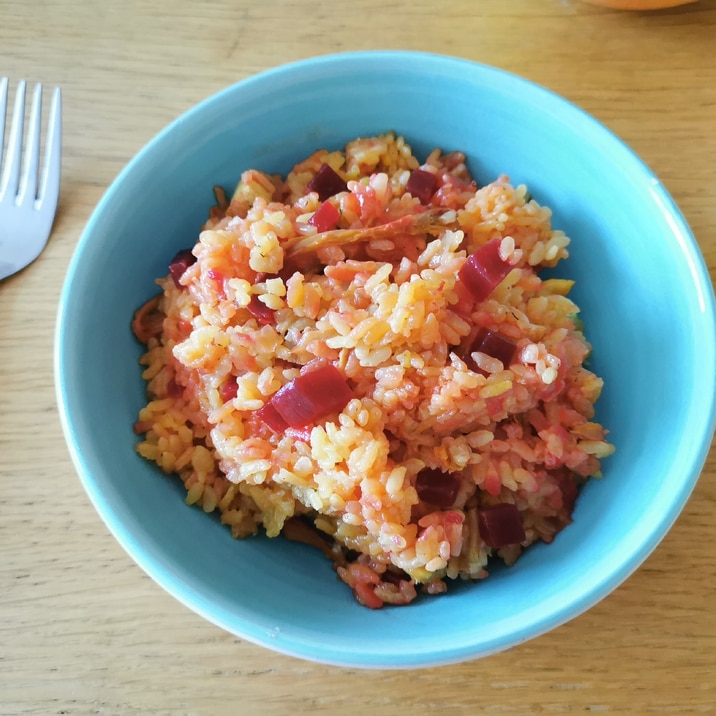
<point x="646" y="299"/>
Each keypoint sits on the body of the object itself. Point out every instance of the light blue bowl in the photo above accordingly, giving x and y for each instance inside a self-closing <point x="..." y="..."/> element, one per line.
<point x="646" y="300"/>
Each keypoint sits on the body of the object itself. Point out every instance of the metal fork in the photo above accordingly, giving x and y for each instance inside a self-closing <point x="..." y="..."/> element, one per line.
<point x="28" y="202"/>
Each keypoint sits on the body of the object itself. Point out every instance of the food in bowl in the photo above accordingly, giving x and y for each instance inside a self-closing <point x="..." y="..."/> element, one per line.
<point x="365" y="355"/>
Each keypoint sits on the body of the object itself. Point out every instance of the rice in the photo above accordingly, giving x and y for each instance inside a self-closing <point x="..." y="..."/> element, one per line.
<point x="269" y="295"/>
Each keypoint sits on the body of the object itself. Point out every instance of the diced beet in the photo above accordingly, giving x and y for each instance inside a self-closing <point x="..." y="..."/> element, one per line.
<point x="437" y="487"/>
<point x="484" y="270"/>
<point x="296" y="409"/>
<point x="261" y="312"/>
<point x="327" y="386"/>
<point x="270" y="416"/>
<point x="326" y="217"/>
<point x="500" y="525"/>
<point x="489" y="256"/>
<point x="421" y="185"/>
<point x="312" y="396"/>
<point x="179" y="264"/>
<point x="229" y="388"/>
<point x="326" y="183"/>
<point x="493" y="344"/>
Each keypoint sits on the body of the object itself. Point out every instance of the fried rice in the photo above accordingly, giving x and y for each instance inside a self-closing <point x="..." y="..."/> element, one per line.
<point x="420" y="439"/>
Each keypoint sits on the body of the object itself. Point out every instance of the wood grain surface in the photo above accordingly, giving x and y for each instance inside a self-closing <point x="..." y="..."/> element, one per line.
<point x="82" y="629"/>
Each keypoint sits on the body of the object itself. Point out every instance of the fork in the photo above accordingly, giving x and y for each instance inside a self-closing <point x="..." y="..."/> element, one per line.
<point x="27" y="202"/>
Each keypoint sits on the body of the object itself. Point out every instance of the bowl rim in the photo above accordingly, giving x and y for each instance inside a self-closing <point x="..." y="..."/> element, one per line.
<point x="435" y="655"/>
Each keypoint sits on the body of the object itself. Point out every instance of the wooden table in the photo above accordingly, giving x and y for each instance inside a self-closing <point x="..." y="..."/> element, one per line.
<point x="82" y="629"/>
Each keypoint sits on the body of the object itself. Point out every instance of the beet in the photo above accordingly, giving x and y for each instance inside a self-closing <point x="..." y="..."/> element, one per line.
<point x="421" y="185"/>
<point x="326" y="183"/>
<point x="312" y="396"/>
<point x="500" y="525"/>
<point x="437" y="487"/>
<point x="326" y="217"/>
<point x="493" y="344"/>
<point x="179" y="264"/>
<point x="270" y="416"/>
<point x="484" y="270"/>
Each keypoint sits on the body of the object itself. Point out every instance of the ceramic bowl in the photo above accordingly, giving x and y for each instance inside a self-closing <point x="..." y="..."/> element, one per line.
<point x="646" y="300"/>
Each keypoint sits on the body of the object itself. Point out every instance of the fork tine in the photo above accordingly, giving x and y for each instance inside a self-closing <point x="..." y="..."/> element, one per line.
<point x="50" y="182"/>
<point x="3" y="110"/>
<point x="11" y="172"/>
<point x="28" y="180"/>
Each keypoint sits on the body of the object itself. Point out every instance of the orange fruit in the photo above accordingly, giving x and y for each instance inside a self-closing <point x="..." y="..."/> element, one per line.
<point x="639" y="4"/>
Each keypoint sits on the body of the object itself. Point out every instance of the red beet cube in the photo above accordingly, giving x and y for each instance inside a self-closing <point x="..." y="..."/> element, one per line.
<point x="421" y="184"/>
<point x="500" y="525"/>
<point x="484" y="270"/>
<point x="437" y="487"/>
<point x="326" y="183"/>
<point x="312" y="396"/>
<point x="326" y="217"/>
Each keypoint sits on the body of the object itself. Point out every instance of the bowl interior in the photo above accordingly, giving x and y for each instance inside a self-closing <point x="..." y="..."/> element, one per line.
<point x="646" y="301"/>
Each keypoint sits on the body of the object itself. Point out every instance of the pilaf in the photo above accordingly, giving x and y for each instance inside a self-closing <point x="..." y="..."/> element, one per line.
<point x="364" y="356"/>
